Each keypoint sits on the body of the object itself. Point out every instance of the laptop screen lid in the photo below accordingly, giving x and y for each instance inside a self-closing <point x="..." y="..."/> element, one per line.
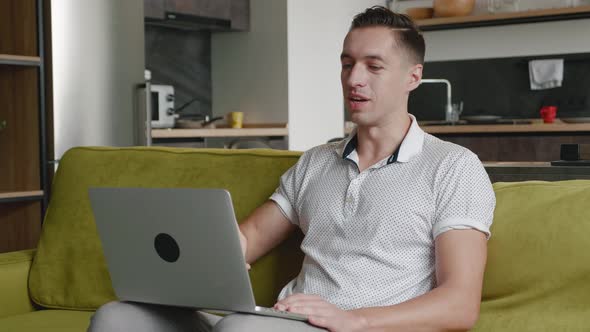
<point x="173" y="246"/>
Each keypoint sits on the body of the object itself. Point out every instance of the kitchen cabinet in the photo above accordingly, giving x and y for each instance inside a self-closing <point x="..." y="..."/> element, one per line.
<point x="220" y="9"/>
<point x="534" y="171"/>
<point x="529" y="16"/>
<point x="517" y="146"/>
<point x="531" y="141"/>
<point x="213" y="15"/>
<point x="23" y="138"/>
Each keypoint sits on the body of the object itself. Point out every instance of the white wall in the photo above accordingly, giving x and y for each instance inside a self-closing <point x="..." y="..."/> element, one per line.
<point x="507" y="40"/>
<point x="316" y="30"/>
<point x="287" y="67"/>
<point x="249" y="69"/>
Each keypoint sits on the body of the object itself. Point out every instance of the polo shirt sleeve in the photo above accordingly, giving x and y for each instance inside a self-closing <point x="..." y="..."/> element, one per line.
<point x="286" y="195"/>
<point x="465" y="197"/>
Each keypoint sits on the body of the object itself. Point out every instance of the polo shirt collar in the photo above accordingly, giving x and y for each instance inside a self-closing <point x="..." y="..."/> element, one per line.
<point x="410" y="146"/>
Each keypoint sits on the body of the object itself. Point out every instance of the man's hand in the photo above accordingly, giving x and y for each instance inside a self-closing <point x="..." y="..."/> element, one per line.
<point x="244" y="244"/>
<point x="323" y="314"/>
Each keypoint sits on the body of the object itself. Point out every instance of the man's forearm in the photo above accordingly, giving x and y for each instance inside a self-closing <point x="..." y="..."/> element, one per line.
<point x="265" y="228"/>
<point x="441" y="309"/>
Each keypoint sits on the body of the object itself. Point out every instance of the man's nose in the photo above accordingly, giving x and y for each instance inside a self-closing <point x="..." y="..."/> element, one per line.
<point x="357" y="77"/>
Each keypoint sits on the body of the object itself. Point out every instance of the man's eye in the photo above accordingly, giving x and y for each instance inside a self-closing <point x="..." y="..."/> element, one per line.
<point x="374" y="67"/>
<point x="346" y="66"/>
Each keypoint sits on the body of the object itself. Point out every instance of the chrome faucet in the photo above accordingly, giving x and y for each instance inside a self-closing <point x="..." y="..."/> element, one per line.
<point x="451" y="115"/>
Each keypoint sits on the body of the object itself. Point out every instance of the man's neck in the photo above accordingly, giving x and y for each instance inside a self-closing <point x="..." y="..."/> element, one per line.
<point x="375" y="143"/>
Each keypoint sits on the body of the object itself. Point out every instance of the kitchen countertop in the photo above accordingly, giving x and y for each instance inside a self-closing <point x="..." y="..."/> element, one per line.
<point x="220" y="132"/>
<point x="517" y="164"/>
<point x="537" y="126"/>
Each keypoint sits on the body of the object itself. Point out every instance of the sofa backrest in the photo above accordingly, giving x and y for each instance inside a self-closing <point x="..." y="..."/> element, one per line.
<point x="537" y="276"/>
<point x="69" y="269"/>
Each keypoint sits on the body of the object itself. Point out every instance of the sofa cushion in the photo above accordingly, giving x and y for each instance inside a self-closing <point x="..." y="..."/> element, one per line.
<point x="47" y="321"/>
<point x="69" y="270"/>
<point x="14" y="270"/>
<point x="538" y="269"/>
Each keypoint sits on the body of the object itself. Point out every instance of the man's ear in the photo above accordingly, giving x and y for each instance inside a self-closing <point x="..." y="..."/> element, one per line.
<point x="414" y="76"/>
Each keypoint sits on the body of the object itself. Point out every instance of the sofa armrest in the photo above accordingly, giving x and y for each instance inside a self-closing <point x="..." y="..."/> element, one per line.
<point x="14" y="276"/>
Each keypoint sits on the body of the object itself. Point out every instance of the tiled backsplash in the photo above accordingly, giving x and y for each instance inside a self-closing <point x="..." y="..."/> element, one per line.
<point x="501" y="87"/>
<point x="182" y="59"/>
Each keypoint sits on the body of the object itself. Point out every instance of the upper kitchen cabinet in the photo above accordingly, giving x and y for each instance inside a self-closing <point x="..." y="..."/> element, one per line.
<point x="219" y="9"/>
<point x="210" y="15"/>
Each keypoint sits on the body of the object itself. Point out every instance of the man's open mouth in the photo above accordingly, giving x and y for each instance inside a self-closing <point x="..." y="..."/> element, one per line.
<point x="356" y="101"/>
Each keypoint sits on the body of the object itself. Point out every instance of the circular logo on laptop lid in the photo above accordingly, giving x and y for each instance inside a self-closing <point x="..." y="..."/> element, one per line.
<point x="166" y="247"/>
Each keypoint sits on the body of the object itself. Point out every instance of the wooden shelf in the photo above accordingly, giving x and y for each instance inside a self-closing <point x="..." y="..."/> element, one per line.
<point x="21" y="196"/>
<point x="19" y="140"/>
<point x="530" y="16"/>
<point x="24" y="184"/>
<point x="20" y="225"/>
<point x="219" y="132"/>
<point x="19" y="60"/>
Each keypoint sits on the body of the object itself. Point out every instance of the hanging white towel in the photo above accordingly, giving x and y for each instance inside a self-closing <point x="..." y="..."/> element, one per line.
<point x="545" y="74"/>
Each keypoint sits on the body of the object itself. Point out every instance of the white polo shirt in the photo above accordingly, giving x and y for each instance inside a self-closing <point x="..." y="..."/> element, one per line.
<point x="369" y="236"/>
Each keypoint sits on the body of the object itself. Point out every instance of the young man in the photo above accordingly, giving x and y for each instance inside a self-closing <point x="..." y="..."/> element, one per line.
<point x="395" y="220"/>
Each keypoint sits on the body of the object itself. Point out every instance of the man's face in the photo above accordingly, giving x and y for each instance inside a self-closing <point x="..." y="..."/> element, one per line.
<point x="376" y="75"/>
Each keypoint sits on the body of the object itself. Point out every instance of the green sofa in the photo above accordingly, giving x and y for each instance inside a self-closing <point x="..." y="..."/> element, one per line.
<point x="537" y="277"/>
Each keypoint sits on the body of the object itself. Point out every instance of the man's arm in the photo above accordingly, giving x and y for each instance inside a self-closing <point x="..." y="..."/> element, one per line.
<point x="452" y="305"/>
<point x="264" y="229"/>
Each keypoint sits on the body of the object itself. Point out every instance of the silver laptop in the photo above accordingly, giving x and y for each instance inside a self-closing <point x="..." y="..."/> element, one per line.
<point x="176" y="247"/>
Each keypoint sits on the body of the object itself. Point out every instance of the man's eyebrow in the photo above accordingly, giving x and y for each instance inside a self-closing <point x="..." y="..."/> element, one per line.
<point x="370" y="57"/>
<point x="374" y="57"/>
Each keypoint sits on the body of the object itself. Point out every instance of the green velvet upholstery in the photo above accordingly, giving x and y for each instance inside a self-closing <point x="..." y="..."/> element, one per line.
<point x="538" y="271"/>
<point x="69" y="271"/>
<point x="14" y="293"/>
<point x="537" y="277"/>
<point x="47" y="321"/>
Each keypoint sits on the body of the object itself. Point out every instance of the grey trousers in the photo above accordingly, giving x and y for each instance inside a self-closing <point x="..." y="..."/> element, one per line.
<point x="132" y="317"/>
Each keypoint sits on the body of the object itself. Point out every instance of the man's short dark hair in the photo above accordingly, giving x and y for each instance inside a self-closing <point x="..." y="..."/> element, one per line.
<point x="408" y="35"/>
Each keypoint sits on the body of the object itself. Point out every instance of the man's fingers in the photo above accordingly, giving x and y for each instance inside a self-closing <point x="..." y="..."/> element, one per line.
<point x="309" y="303"/>
<point x="319" y="311"/>
<point x="297" y="298"/>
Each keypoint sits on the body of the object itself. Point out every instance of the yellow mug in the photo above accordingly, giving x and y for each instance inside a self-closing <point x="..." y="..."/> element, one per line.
<point x="236" y="119"/>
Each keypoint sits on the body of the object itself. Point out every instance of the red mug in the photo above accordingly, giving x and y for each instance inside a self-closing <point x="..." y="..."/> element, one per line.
<point x="548" y="113"/>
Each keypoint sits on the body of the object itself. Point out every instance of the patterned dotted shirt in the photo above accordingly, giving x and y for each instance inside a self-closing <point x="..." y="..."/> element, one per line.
<point x="369" y="236"/>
